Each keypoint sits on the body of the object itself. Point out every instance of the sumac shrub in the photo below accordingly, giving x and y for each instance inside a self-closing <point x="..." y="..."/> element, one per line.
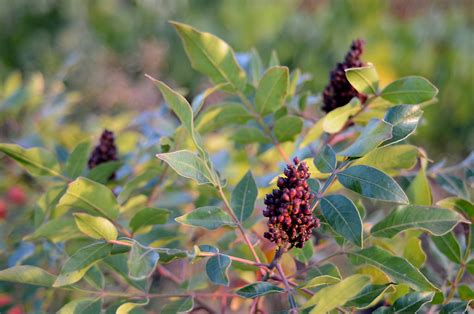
<point x="257" y="201"/>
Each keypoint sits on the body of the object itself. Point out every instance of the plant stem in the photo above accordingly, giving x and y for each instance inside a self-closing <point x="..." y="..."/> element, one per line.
<point x="462" y="268"/>
<point x="204" y="254"/>
<point x="287" y="288"/>
<point x="238" y="223"/>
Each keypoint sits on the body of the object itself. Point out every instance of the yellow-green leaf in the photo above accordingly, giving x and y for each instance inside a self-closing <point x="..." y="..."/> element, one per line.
<point x="364" y="79"/>
<point x="96" y="227"/>
<point x="338" y="294"/>
<point x="212" y="56"/>
<point x="37" y="161"/>
<point x="90" y="196"/>
<point x="272" y="90"/>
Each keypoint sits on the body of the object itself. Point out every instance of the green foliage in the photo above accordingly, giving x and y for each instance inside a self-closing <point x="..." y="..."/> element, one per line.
<point x="208" y="217"/>
<point x="343" y="216"/>
<point x="110" y="232"/>
<point x="243" y="197"/>
<point x="372" y="183"/>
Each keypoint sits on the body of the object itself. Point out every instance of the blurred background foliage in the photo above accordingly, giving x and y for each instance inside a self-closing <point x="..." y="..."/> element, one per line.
<point x="101" y="50"/>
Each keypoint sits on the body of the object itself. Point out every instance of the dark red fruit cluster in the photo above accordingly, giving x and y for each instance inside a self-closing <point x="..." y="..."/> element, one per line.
<point x="290" y="218"/>
<point x="105" y="151"/>
<point x="339" y="91"/>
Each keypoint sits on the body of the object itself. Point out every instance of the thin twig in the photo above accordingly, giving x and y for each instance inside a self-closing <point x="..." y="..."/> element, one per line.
<point x="288" y="289"/>
<point x="238" y="223"/>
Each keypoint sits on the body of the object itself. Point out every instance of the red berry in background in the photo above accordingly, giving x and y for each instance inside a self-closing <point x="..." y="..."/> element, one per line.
<point x="5" y="299"/>
<point x="17" y="309"/>
<point x="16" y="195"/>
<point x="339" y="91"/>
<point x="3" y="209"/>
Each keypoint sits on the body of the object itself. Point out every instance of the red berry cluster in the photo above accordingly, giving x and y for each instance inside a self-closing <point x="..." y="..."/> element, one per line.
<point x="339" y="91"/>
<point x="105" y="151"/>
<point x="290" y="218"/>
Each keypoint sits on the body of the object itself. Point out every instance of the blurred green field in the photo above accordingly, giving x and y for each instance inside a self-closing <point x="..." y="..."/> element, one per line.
<point x="101" y="49"/>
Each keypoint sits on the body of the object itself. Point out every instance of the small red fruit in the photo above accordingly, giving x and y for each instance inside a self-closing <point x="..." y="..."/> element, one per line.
<point x="16" y="195"/>
<point x="17" y="309"/>
<point x="3" y="209"/>
<point x="5" y="299"/>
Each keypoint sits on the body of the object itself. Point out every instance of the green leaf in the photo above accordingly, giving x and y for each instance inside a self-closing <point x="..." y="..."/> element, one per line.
<point x="180" y="107"/>
<point x="373" y="134"/>
<point x="274" y="60"/>
<point x="167" y="255"/>
<point x="90" y="196"/>
<point x="304" y="254"/>
<point x="453" y="185"/>
<point x="372" y="183"/>
<point x="419" y="190"/>
<point x="465" y="293"/>
<point x="141" y="261"/>
<point x="364" y="79"/>
<point x="95" y="277"/>
<point x="470" y="266"/>
<point x="37" y="161"/>
<point x="257" y="289"/>
<point x="188" y="165"/>
<point x="390" y="158"/>
<point x="449" y="246"/>
<point x="136" y="183"/>
<point x="321" y="281"/>
<point x="342" y="215"/>
<point x="335" y="120"/>
<point x="103" y="172"/>
<point x="118" y="264"/>
<point x="46" y="204"/>
<point x="256" y="66"/>
<point x="180" y="306"/>
<point x="129" y="307"/>
<point x="404" y="120"/>
<point x="77" y="161"/>
<point x="287" y="127"/>
<point x="413" y="252"/>
<point x="314" y="185"/>
<point x="199" y="100"/>
<point x="436" y="221"/>
<point x="30" y="275"/>
<point x="78" y="264"/>
<point x="82" y="306"/>
<point x="211" y="56"/>
<point x="244" y="196"/>
<point x="248" y="135"/>
<point x="412" y="302"/>
<point x="96" y="227"/>
<point x="326" y="269"/>
<point x="208" y="217"/>
<point x="216" y="269"/>
<point x="369" y="296"/>
<point x="397" y="268"/>
<point x="55" y="230"/>
<point x="149" y="216"/>
<point x="331" y="297"/>
<point x="454" y="307"/>
<point x="223" y="115"/>
<point x="460" y="205"/>
<point x="409" y="90"/>
<point x="272" y="90"/>
<point x="325" y="160"/>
